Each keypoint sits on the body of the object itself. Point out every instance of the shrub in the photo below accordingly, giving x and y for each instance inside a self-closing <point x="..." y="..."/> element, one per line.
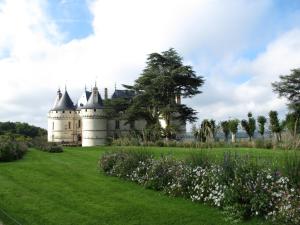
<point x="42" y="144"/>
<point x="160" y="174"/>
<point x="11" y="150"/>
<point x="239" y="185"/>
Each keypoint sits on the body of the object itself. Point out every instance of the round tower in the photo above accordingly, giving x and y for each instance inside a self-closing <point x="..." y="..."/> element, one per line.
<point x="61" y="119"/>
<point x="94" y="123"/>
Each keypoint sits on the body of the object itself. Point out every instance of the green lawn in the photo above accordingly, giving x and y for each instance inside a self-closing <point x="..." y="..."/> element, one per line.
<point x="67" y="188"/>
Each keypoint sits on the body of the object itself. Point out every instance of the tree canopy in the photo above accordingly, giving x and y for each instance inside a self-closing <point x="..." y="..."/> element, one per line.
<point x="289" y="87"/>
<point x="23" y="129"/>
<point x="249" y="126"/>
<point x="159" y="88"/>
<point x="225" y="129"/>
<point x="261" y="124"/>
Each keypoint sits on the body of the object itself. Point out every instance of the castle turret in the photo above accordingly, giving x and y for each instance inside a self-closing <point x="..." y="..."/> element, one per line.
<point x="61" y="119"/>
<point x="94" y="124"/>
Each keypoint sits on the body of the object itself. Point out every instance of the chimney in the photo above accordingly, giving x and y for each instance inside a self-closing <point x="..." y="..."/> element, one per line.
<point x="105" y="94"/>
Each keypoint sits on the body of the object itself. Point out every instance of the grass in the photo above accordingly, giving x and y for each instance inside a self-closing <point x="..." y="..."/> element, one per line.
<point x="67" y="188"/>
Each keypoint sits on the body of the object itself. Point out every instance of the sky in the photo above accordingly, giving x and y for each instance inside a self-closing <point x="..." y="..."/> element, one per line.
<point x="239" y="46"/>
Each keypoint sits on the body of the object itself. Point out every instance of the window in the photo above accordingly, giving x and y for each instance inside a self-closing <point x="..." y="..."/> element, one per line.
<point x="79" y="123"/>
<point x="94" y="110"/>
<point x="69" y="125"/>
<point x="52" y="125"/>
<point x="86" y="110"/>
<point x="64" y="111"/>
<point x="117" y="124"/>
<point x="70" y="112"/>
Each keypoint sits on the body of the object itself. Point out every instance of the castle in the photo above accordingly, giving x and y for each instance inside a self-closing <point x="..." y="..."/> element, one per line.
<point x="85" y="123"/>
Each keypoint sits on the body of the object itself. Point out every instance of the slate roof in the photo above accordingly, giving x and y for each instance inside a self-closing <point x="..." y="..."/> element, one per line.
<point x="123" y="94"/>
<point x="95" y="101"/>
<point x="65" y="103"/>
<point x="87" y="95"/>
<point x="58" y="97"/>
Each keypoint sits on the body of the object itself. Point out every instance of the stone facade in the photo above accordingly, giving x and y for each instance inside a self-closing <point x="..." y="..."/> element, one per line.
<point x="85" y="123"/>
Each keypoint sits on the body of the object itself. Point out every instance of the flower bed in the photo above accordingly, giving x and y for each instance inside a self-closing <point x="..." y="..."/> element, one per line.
<point x="238" y="186"/>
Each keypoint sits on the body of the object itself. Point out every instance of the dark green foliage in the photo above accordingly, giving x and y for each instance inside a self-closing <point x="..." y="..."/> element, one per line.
<point x="160" y="173"/>
<point x="23" y="129"/>
<point x="225" y="129"/>
<point x="206" y="132"/>
<point x="289" y="87"/>
<point x="292" y="123"/>
<point x="243" y="187"/>
<point x="11" y="149"/>
<point x="115" y="108"/>
<point x="249" y="126"/>
<point x="123" y="163"/>
<point x="42" y="144"/>
<point x="161" y="82"/>
<point x="233" y="127"/>
<point x="261" y="125"/>
<point x="275" y="125"/>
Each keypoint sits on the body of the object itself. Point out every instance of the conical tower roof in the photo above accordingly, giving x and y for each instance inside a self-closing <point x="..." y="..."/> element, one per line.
<point x="58" y="97"/>
<point x="83" y="99"/>
<point x="95" y="100"/>
<point x="65" y="103"/>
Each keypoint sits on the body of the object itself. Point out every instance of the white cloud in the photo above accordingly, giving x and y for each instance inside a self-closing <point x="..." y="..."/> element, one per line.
<point x="208" y="33"/>
<point x="224" y="98"/>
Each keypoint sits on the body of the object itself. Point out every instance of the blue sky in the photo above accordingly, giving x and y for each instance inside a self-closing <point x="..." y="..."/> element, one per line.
<point x="72" y="17"/>
<point x="239" y="46"/>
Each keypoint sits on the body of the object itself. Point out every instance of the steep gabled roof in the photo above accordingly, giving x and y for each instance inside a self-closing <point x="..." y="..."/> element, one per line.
<point x="123" y="94"/>
<point x="65" y="103"/>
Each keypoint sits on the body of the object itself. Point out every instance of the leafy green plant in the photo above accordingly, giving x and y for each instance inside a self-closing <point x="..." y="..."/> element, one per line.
<point x="11" y="149"/>
<point x="239" y="185"/>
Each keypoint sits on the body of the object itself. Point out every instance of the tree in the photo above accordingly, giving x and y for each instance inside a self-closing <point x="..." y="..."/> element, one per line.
<point x="249" y="126"/>
<point x="208" y="130"/>
<point x="291" y="124"/>
<point x="261" y="125"/>
<point x="23" y="129"/>
<point x="233" y="127"/>
<point x="275" y="126"/>
<point x="289" y="87"/>
<point x="225" y="129"/>
<point x="159" y="88"/>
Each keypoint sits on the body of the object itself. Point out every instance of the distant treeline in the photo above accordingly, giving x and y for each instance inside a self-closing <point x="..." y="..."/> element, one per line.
<point x="22" y="129"/>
